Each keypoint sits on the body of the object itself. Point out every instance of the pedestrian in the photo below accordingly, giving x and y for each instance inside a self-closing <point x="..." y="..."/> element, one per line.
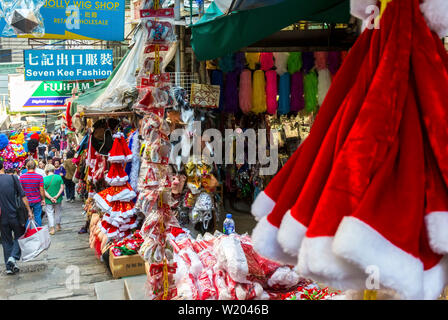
<point x="42" y="147"/>
<point x="33" y="185"/>
<point x="10" y="227"/>
<point x="52" y="153"/>
<point x="54" y="188"/>
<point x="70" y="169"/>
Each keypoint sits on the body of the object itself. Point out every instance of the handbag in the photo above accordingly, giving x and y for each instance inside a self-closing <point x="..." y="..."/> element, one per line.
<point x="21" y="210"/>
<point x="34" y="241"/>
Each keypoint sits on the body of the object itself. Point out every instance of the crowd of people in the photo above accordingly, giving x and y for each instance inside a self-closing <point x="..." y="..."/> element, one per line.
<point x="41" y="185"/>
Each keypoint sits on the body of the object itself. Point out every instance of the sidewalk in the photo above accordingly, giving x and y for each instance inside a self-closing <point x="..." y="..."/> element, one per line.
<point x="45" y="277"/>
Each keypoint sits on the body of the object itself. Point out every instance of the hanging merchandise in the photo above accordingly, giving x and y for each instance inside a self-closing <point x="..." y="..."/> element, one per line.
<point x="281" y="62"/>
<point x="321" y="59"/>
<point x="240" y="61"/>
<point x="259" y="92"/>
<point x="159" y="32"/>
<point x="231" y="92"/>
<point x="206" y="96"/>
<point x="324" y="76"/>
<point x="284" y="94"/>
<point x="294" y="62"/>
<point x="297" y="99"/>
<point x="334" y="61"/>
<point x="252" y="59"/>
<point x="217" y="79"/>
<point x="227" y="63"/>
<point x="374" y="134"/>
<point x="324" y="83"/>
<point x="308" y="61"/>
<point x="245" y="91"/>
<point x="310" y="88"/>
<point x="266" y="61"/>
<point x="271" y="91"/>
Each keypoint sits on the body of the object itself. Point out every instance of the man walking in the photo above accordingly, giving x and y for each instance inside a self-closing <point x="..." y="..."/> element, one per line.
<point x="9" y="222"/>
<point x="33" y="185"/>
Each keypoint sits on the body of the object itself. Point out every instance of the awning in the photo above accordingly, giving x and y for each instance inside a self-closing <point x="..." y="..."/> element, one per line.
<point x="217" y="34"/>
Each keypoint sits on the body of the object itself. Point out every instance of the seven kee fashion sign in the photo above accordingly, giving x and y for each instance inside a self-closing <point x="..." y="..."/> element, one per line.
<point x="41" y="95"/>
<point x="42" y="65"/>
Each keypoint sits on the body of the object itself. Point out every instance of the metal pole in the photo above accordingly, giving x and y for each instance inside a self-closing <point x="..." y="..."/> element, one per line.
<point x="177" y="10"/>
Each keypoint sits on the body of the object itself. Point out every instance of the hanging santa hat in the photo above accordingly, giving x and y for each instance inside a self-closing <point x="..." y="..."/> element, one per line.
<point x="120" y="151"/>
<point x="116" y="175"/>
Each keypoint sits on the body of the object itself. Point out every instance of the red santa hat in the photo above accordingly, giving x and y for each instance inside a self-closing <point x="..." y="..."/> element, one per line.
<point x="116" y="175"/>
<point x="373" y="187"/>
<point x="120" y="151"/>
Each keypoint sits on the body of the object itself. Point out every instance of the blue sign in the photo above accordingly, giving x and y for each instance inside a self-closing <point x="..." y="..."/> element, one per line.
<point x="81" y="19"/>
<point x="43" y="65"/>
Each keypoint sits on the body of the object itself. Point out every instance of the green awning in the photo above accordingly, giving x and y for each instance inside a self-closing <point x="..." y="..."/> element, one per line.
<point x="216" y="34"/>
<point x="91" y="94"/>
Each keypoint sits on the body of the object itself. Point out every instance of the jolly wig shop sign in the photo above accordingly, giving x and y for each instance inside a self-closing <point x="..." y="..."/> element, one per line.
<point x="67" y="65"/>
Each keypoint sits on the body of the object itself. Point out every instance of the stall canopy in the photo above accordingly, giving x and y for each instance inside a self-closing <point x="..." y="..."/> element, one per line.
<point x="228" y="26"/>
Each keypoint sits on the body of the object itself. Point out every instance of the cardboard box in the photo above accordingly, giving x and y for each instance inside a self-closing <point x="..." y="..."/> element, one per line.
<point x="125" y="266"/>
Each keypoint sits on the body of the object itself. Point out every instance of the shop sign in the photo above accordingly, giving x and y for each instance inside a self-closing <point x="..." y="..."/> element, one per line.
<point x="41" y="95"/>
<point x="44" y="65"/>
<point x="81" y="19"/>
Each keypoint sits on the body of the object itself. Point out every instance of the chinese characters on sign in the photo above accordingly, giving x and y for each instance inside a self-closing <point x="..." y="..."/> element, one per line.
<point x="41" y="65"/>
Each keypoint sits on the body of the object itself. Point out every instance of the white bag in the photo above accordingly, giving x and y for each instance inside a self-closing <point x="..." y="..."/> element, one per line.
<point x="33" y="245"/>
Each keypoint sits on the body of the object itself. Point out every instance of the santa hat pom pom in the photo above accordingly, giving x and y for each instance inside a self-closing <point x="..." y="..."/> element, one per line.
<point x="3" y="141"/>
<point x="436" y="16"/>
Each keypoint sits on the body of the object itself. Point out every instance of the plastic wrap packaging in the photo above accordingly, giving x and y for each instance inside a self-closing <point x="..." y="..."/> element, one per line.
<point x="231" y="258"/>
<point x="22" y="17"/>
<point x="284" y="277"/>
<point x="159" y="32"/>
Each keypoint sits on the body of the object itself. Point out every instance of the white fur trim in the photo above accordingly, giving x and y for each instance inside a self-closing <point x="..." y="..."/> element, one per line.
<point x="117" y="181"/>
<point x="129" y="157"/>
<point x="262" y="206"/>
<point x="118" y="135"/>
<point x="358" y="242"/>
<point x="317" y="261"/>
<point x="436" y="16"/>
<point x="264" y="239"/>
<point x="437" y="226"/>
<point x="291" y="234"/>
<point x="125" y="196"/>
<point x="120" y="158"/>
<point x="101" y="203"/>
<point x="435" y="280"/>
<point x="358" y="8"/>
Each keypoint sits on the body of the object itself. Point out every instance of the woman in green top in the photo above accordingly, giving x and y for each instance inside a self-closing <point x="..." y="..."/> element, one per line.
<point x="54" y="188"/>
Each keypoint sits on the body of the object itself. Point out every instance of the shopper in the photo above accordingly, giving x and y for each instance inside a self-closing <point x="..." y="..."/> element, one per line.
<point x="10" y="228"/>
<point x="54" y="188"/>
<point x="70" y="169"/>
<point x="33" y="185"/>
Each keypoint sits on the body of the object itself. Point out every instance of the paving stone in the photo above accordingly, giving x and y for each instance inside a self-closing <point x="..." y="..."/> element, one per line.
<point x="46" y="276"/>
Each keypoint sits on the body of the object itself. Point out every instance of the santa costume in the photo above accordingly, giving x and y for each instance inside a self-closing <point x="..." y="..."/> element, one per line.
<point x="116" y="201"/>
<point x="368" y="187"/>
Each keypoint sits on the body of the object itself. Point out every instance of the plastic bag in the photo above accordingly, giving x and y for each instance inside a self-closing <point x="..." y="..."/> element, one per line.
<point x="31" y="246"/>
<point x="231" y="258"/>
<point x="283" y="277"/>
<point x="206" y="288"/>
<point x="22" y="17"/>
<point x="159" y="32"/>
<point x="222" y="291"/>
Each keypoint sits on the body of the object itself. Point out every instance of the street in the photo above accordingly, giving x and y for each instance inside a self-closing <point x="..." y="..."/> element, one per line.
<point x="46" y="277"/>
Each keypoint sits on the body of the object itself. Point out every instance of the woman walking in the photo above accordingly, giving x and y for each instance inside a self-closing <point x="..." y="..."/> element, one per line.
<point x="54" y="188"/>
<point x="70" y="169"/>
